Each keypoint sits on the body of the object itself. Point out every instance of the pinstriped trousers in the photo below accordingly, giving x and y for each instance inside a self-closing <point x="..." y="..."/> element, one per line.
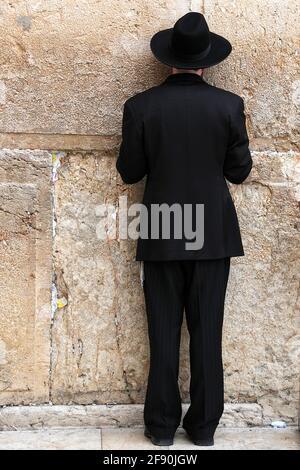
<point x="198" y="288"/>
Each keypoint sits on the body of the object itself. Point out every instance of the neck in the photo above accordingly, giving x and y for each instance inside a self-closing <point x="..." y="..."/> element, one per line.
<point x="196" y="72"/>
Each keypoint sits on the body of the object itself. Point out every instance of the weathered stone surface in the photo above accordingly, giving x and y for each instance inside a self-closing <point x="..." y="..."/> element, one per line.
<point x="65" y="72"/>
<point x="100" y="336"/>
<point x="52" y="439"/>
<point x="242" y="415"/>
<point x="25" y="253"/>
<point x="134" y="439"/>
<point x="263" y="66"/>
<point x="101" y="416"/>
<point x="58" y="141"/>
<point x="68" y="68"/>
<point x="262" y="330"/>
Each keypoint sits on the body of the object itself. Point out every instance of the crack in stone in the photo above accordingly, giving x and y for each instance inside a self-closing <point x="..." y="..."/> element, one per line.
<point x="26" y="220"/>
<point x="118" y="334"/>
<point x="54" y="307"/>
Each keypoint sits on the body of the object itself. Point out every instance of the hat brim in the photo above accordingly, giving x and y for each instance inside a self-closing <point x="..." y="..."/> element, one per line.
<point x="160" y="46"/>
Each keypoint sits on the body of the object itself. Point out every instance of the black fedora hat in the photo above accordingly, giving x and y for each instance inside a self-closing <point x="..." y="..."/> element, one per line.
<point x="190" y="44"/>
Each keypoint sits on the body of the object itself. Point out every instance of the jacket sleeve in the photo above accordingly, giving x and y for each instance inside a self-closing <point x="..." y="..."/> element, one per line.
<point x="238" y="161"/>
<point x="131" y="163"/>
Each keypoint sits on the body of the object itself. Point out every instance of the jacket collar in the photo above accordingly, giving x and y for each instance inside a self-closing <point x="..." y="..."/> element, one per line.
<point x="184" y="78"/>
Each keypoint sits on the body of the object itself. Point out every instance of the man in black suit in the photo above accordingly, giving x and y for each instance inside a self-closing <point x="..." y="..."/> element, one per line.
<point x="187" y="137"/>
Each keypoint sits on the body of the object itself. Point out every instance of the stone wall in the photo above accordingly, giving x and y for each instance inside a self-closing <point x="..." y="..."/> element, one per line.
<point x="66" y="69"/>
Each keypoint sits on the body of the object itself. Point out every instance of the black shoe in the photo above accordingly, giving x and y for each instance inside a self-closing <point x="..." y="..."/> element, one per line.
<point x="201" y="442"/>
<point x="158" y="441"/>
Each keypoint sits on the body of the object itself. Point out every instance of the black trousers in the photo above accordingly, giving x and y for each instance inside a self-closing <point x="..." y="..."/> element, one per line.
<point x="199" y="288"/>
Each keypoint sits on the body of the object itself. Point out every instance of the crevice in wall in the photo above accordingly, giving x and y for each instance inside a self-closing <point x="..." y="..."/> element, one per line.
<point x="56" y="163"/>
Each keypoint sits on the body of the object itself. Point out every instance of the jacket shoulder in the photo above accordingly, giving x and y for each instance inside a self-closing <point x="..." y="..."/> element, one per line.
<point x="227" y="96"/>
<point x="140" y="98"/>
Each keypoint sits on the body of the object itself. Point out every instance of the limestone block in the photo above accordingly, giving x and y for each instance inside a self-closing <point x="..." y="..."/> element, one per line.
<point x="52" y="439"/>
<point x="263" y="66"/>
<point x="25" y="281"/>
<point x="102" y="416"/>
<point x="262" y="330"/>
<point x="66" y="68"/>
<point x="99" y="337"/>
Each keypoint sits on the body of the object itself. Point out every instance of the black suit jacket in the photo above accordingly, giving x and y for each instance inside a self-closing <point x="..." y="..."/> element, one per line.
<point x="186" y="137"/>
